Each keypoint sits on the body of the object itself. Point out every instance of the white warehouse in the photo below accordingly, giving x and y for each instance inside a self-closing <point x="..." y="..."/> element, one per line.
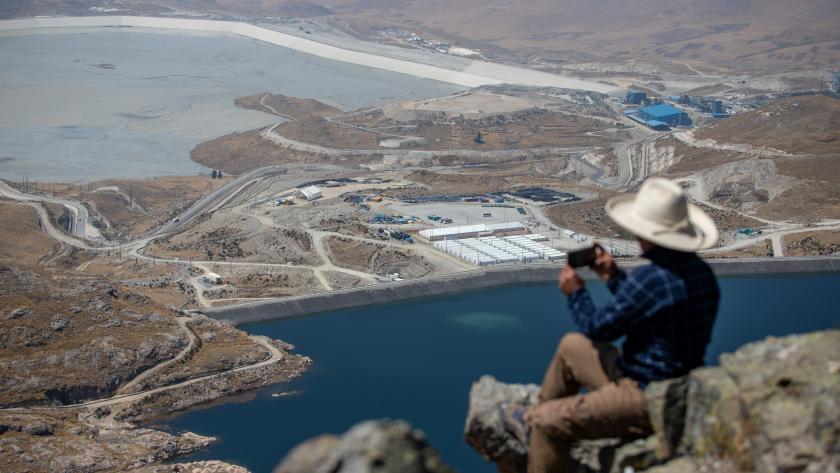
<point x="311" y="193"/>
<point x="470" y="231"/>
<point x="494" y="250"/>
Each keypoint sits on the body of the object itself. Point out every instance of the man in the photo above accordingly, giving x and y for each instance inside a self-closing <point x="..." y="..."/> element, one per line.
<point x="665" y="311"/>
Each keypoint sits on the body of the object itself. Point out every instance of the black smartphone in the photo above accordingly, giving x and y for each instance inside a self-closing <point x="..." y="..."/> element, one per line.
<point x="582" y="257"/>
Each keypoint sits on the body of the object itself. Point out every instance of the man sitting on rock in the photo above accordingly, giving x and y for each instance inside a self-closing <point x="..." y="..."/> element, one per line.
<point x="665" y="310"/>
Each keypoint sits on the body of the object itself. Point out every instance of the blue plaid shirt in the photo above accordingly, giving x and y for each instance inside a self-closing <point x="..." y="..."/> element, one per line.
<point x="665" y="310"/>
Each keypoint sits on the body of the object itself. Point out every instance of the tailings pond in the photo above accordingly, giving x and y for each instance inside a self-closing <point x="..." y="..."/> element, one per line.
<point x="415" y="360"/>
<point x="83" y="104"/>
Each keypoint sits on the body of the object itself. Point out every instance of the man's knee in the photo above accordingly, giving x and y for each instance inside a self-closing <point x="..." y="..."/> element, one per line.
<point x="573" y="343"/>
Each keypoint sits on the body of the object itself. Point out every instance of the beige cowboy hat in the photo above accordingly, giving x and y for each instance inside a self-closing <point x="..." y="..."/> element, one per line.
<point x="660" y="213"/>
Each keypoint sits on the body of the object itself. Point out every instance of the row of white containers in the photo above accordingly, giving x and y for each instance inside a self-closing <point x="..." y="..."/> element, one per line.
<point x="543" y="251"/>
<point x="494" y="250"/>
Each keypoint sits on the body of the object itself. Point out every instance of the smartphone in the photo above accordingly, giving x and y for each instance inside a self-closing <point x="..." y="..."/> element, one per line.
<point x="581" y="258"/>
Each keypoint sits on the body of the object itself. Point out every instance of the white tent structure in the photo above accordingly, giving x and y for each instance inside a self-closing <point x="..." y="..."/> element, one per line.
<point x="311" y="193"/>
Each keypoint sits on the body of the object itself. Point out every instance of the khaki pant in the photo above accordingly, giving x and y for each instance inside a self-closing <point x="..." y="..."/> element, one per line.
<point x="613" y="406"/>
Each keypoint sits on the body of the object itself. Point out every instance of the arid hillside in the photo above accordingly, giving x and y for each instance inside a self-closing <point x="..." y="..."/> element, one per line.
<point x="779" y="162"/>
<point x="739" y="34"/>
<point x="796" y="125"/>
<point x="70" y="335"/>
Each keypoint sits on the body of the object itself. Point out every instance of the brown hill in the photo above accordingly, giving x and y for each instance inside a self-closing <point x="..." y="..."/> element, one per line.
<point x="738" y="33"/>
<point x="735" y="33"/>
<point x="797" y="125"/>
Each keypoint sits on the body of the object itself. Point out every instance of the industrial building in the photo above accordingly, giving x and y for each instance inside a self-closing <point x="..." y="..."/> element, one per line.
<point x="660" y="116"/>
<point x="494" y="250"/>
<point x="665" y="113"/>
<point x="469" y="231"/>
<point x="311" y="192"/>
<point x="635" y="97"/>
<point x="709" y="105"/>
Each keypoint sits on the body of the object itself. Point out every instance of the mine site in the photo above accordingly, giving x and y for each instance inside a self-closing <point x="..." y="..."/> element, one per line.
<point x="183" y="186"/>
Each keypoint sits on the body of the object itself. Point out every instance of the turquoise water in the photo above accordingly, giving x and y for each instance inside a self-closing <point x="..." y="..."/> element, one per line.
<point x="415" y="360"/>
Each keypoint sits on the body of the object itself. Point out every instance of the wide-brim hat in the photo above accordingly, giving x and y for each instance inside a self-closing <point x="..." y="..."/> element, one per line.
<point x="660" y="213"/>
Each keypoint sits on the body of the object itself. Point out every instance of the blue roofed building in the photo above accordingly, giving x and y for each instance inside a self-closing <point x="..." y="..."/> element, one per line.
<point x="635" y="97"/>
<point x="664" y="114"/>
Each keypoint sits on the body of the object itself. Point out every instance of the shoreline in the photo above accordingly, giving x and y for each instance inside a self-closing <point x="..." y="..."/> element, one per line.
<point x="476" y="74"/>
<point x="483" y="278"/>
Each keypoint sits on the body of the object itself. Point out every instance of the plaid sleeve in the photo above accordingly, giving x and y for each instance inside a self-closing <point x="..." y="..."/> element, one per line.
<point x="636" y="297"/>
<point x="615" y="281"/>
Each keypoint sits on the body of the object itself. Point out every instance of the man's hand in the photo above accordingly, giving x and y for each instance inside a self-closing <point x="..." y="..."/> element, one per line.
<point x="604" y="264"/>
<point x="569" y="280"/>
<point x="540" y="416"/>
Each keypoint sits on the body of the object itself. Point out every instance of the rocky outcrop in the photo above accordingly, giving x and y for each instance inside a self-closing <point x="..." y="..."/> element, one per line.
<point x="56" y="440"/>
<point x="484" y="430"/>
<point x="211" y="388"/>
<point x="772" y="406"/>
<point x="372" y="446"/>
<point x="211" y="466"/>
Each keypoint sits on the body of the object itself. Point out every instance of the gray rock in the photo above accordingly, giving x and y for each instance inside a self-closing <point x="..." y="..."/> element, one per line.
<point x="20" y="312"/>
<point x="10" y="426"/>
<point x="146" y="349"/>
<point x="484" y="430"/>
<point x="308" y="456"/>
<point x="211" y="466"/>
<point x="790" y="400"/>
<point x="772" y="406"/>
<point x="38" y="428"/>
<point x="58" y="323"/>
<point x="373" y="446"/>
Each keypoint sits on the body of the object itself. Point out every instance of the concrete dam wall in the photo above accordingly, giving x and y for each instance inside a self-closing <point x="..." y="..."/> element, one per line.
<point x="474" y="280"/>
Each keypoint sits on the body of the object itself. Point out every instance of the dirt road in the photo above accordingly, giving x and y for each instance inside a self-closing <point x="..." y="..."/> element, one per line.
<point x="184" y="323"/>
<point x="81" y="226"/>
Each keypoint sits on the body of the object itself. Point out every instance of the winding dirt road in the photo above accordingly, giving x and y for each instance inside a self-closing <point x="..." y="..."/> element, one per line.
<point x="81" y="227"/>
<point x="186" y="352"/>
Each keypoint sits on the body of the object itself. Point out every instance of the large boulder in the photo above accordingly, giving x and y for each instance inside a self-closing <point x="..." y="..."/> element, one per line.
<point x="484" y="430"/>
<point x="771" y="406"/>
<point x="373" y="446"/>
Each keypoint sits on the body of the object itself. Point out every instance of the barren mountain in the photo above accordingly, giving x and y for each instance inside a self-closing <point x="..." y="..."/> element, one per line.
<point x="779" y="161"/>
<point x="735" y="33"/>
<point x="741" y="34"/>
<point x="796" y="125"/>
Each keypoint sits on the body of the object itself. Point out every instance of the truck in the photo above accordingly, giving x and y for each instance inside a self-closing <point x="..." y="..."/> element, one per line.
<point x="402" y="236"/>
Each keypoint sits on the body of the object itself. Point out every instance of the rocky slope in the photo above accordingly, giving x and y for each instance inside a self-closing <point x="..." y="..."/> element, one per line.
<point x="67" y="338"/>
<point x="371" y="446"/>
<point x="772" y="406"/>
<point x="57" y="441"/>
